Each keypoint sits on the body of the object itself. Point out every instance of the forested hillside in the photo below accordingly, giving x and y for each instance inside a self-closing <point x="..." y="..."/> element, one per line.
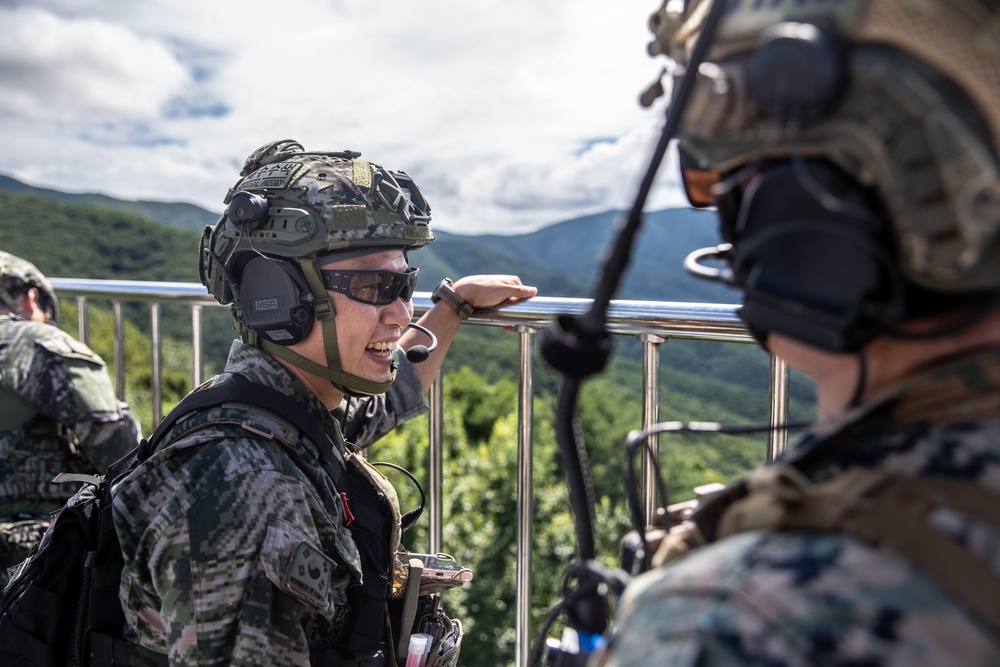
<point x="705" y="381"/>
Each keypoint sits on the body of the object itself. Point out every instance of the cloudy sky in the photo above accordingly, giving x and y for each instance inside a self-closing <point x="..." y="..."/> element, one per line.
<point x="509" y="114"/>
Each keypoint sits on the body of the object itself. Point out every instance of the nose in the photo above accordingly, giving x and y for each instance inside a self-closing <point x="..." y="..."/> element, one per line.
<point x="398" y="313"/>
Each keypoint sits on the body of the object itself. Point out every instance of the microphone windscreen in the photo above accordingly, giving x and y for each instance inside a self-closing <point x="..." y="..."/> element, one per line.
<point x="417" y="353"/>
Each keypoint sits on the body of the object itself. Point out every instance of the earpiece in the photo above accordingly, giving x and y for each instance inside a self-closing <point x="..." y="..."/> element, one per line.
<point x="275" y="301"/>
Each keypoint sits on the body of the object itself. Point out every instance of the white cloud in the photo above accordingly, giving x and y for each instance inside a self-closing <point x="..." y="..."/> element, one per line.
<point x="509" y="113"/>
<point x="82" y="70"/>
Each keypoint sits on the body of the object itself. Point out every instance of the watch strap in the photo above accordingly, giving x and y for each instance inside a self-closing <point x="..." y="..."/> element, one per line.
<point x="444" y="292"/>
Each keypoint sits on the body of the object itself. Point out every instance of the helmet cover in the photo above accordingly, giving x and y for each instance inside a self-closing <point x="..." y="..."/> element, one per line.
<point x="917" y="117"/>
<point x="290" y="203"/>
<point x="17" y="276"/>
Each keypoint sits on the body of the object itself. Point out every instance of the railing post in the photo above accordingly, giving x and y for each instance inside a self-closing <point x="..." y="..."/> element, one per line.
<point x="83" y="320"/>
<point x="777" y="439"/>
<point x="196" y="369"/>
<point x="650" y="415"/>
<point x="435" y="464"/>
<point x="119" y="349"/>
<point x="525" y="509"/>
<point x="156" y="379"/>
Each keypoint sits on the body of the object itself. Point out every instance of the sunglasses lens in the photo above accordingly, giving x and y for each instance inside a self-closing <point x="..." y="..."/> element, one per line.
<point x="698" y="182"/>
<point x="375" y="287"/>
<point x="382" y="287"/>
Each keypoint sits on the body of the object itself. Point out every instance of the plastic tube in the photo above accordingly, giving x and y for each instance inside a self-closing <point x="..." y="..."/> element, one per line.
<point x="420" y="647"/>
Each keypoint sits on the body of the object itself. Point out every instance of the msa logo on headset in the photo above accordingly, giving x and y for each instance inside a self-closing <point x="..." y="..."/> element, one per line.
<point x="265" y="304"/>
<point x="278" y="303"/>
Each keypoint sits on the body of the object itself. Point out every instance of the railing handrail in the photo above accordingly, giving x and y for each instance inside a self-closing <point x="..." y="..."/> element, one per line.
<point x="701" y="321"/>
<point x="653" y="322"/>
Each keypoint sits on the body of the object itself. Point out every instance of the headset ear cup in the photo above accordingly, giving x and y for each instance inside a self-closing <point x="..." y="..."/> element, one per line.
<point x="824" y="277"/>
<point x="275" y="301"/>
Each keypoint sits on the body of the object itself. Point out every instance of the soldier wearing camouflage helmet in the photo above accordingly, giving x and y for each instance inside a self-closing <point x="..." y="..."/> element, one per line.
<point x="58" y="410"/>
<point x="851" y="149"/>
<point x="242" y="543"/>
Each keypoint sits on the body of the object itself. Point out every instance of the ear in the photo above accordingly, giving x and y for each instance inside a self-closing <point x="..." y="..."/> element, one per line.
<point x="31" y="309"/>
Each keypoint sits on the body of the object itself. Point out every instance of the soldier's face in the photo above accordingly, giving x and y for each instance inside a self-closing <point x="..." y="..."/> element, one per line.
<point x="367" y="334"/>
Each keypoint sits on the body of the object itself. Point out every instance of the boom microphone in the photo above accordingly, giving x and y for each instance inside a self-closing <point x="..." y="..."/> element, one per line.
<point x="419" y="353"/>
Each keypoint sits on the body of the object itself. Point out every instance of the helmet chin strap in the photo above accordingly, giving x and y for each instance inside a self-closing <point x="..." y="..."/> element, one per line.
<point x="352" y="385"/>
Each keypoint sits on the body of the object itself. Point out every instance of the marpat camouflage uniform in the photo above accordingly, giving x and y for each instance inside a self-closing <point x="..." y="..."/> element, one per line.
<point x="780" y="598"/>
<point x="215" y="525"/>
<point x="58" y="413"/>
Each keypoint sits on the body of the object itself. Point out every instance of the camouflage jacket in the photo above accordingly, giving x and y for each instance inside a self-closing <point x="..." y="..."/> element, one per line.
<point x="783" y="597"/>
<point x="58" y="413"/>
<point x="235" y="540"/>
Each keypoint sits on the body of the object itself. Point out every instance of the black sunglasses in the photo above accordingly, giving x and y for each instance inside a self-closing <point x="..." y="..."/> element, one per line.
<point x="375" y="287"/>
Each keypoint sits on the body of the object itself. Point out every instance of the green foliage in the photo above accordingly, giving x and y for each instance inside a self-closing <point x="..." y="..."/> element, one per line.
<point x="74" y="241"/>
<point x="699" y="381"/>
<point x="177" y="360"/>
<point x="480" y="473"/>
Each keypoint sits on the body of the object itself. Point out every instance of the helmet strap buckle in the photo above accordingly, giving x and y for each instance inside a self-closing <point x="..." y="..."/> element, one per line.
<point x="324" y="309"/>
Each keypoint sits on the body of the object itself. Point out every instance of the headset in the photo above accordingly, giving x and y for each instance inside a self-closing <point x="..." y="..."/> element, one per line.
<point x="811" y="252"/>
<point x="271" y="294"/>
<point x="809" y="246"/>
<point x="275" y="300"/>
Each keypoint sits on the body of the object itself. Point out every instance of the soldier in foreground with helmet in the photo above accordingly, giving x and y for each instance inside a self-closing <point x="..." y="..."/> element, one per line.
<point x="58" y="410"/>
<point x="851" y="149"/>
<point x="243" y="543"/>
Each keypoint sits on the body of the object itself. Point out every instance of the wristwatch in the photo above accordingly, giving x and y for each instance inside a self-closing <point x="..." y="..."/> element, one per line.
<point x="444" y="292"/>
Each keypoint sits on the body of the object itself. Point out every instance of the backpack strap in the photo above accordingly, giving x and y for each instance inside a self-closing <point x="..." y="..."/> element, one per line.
<point x="255" y="394"/>
<point x="366" y="638"/>
<point x="104" y="647"/>
<point x="885" y="510"/>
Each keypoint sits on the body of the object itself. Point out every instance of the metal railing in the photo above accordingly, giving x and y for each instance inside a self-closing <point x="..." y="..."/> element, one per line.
<point x="652" y="322"/>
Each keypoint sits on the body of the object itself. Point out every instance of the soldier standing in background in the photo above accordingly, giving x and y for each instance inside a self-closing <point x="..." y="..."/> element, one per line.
<point x="850" y="147"/>
<point x="58" y="410"/>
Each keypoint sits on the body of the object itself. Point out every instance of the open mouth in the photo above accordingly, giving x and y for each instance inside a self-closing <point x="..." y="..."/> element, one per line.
<point x="384" y="349"/>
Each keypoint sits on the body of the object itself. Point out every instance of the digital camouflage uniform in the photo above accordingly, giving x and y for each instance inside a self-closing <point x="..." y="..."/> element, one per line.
<point x="58" y="413"/>
<point x="770" y="597"/>
<point x="232" y="508"/>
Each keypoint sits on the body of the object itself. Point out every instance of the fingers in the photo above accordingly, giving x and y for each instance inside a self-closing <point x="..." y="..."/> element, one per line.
<point x="493" y="291"/>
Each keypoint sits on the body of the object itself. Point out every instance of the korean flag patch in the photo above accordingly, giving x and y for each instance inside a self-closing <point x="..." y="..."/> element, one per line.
<point x="308" y="575"/>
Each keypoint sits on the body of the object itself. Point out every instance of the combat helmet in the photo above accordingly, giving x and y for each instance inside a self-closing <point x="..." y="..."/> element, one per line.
<point x="290" y="210"/>
<point x="17" y="276"/>
<point x="902" y="96"/>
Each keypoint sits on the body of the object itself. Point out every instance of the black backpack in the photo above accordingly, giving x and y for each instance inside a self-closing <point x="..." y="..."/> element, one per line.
<point x="61" y="607"/>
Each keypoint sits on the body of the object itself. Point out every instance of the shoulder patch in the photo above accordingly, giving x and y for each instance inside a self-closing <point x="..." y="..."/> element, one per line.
<point x="64" y="345"/>
<point x="308" y="575"/>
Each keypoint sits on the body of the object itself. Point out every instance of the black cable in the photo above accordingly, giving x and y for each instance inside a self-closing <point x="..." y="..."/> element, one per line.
<point x="579" y="347"/>
<point x="640" y="439"/>
<point x="535" y="657"/>
<point x="407" y="520"/>
<point x="593" y="320"/>
<point x="576" y="466"/>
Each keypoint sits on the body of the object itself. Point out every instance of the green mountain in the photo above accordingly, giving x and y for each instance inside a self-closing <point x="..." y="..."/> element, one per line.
<point x="562" y="260"/>
<point x="565" y="259"/>
<point x="90" y="236"/>
<point x="93" y="240"/>
<point x="185" y="216"/>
